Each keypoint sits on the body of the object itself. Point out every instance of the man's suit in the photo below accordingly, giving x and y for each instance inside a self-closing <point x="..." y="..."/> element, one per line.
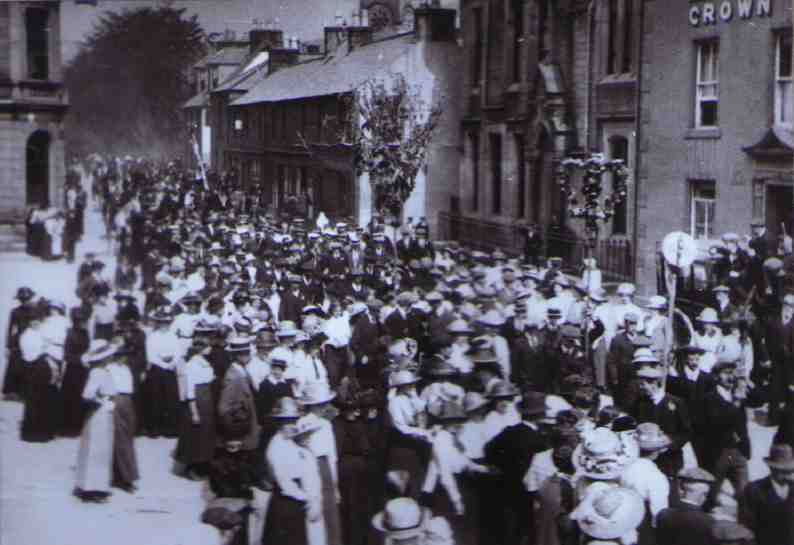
<point x="683" y="524"/>
<point x="237" y="405"/>
<point x="768" y="515"/>
<point x="672" y="416"/>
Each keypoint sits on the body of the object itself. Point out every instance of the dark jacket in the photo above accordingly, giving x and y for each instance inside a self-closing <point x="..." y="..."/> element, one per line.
<point x="724" y="426"/>
<point x="683" y="524"/>
<point x="768" y="515"/>
<point x="672" y="416"/>
<point x="511" y="452"/>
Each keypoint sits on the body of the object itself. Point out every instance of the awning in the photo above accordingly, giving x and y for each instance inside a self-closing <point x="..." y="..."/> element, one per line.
<point x="777" y="143"/>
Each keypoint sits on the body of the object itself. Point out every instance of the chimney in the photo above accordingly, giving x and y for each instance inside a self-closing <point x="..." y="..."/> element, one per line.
<point x="434" y="24"/>
<point x="348" y="36"/>
<point x="284" y="56"/>
<point x="269" y="38"/>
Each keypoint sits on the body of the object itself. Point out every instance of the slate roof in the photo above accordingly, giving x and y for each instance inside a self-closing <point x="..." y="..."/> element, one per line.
<point x="198" y="101"/>
<point x="335" y="74"/>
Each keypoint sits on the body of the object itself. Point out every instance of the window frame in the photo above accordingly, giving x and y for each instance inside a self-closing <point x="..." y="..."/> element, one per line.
<point x="519" y="141"/>
<point x="709" y="221"/>
<point x="783" y="81"/>
<point x="474" y="144"/>
<point x="700" y="96"/>
<point x="37" y="49"/>
<point x="619" y="227"/>
<point x="478" y="62"/>
<point x="495" y="147"/>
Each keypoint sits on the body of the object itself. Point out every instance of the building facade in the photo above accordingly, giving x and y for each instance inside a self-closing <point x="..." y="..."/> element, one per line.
<point x="283" y="132"/>
<point x="543" y="79"/>
<point x="33" y="103"/>
<point x="716" y="144"/>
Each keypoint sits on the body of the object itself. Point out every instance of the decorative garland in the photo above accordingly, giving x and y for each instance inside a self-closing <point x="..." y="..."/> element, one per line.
<point x="594" y="210"/>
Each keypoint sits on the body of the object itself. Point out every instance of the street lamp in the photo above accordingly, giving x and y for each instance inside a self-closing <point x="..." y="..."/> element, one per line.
<point x="596" y="207"/>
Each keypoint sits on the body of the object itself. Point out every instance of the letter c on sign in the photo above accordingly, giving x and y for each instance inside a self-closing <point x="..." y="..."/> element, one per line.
<point x="726" y="11"/>
<point x="694" y="16"/>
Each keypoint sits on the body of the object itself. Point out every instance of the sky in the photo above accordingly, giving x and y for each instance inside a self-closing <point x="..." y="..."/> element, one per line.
<point x="302" y="18"/>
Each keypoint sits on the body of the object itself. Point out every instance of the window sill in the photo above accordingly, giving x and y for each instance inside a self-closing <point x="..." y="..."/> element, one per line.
<point x="704" y="133"/>
<point x="613" y="79"/>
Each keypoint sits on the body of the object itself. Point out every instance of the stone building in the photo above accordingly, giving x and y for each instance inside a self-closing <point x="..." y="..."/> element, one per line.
<point x="33" y="103"/>
<point x="302" y="96"/>
<point x="716" y="143"/>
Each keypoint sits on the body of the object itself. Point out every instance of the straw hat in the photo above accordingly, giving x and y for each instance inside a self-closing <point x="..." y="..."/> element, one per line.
<point x="402" y="378"/>
<point x="602" y="455"/>
<point x="502" y="389"/>
<point x="316" y="393"/>
<point x="239" y="344"/>
<point x="287" y="328"/>
<point x="708" y="316"/>
<point x="305" y="425"/>
<point x="99" y="350"/>
<point x="651" y="438"/>
<point x="657" y="302"/>
<point x="473" y="401"/>
<point x="401" y="518"/>
<point x="644" y="355"/>
<point x="609" y="512"/>
<point x="459" y="327"/>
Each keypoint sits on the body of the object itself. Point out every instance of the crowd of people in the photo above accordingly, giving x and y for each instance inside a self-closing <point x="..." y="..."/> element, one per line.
<point x="335" y="386"/>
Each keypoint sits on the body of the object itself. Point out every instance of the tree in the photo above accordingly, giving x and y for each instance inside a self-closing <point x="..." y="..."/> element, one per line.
<point x="389" y="127"/>
<point x="129" y="80"/>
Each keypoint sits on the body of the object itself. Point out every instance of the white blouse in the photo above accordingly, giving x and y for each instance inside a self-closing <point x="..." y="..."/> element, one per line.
<point x="294" y="468"/>
<point x="448" y="460"/>
<point x="197" y="371"/>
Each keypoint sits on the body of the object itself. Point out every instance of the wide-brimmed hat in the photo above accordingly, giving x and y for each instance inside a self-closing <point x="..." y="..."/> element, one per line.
<point x="708" y="316"/>
<point x="492" y="318"/>
<point x="644" y="355"/>
<point x="99" y="350"/>
<point x="402" y="377"/>
<point x="609" y="512"/>
<point x="651" y="437"/>
<point x="316" y="393"/>
<point x="657" y="302"/>
<point x="602" y="455"/>
<point x="473" y="401"/>
<point x="287" y="328"/>
<point x="239" y="344"/>
<point x="286" y="408"/>
<point x="305" y="425"/>
<point x="459" y="327"/>
<point x="161" y="315"/>
<point x="502" y="389"/>
<point x="780" y="456"/>
<point x="401" y="518"/>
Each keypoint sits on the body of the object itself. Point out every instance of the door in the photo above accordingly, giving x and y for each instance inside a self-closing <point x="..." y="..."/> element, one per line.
<point x="779" y="199"/>
<point x="37" y="169"/>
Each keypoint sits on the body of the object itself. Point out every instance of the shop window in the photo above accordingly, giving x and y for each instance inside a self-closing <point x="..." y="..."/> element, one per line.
<point x="784" y="97"/>
<point x="521" y="175"/>
<point x="496" y="173"/>
<point x="619" y="149"/>
<point x="518" y="37"/>
<point x="475" y="171"/>
<point x="759" y="206"/>
<point x="37" y="43"/>
<point x="479" y="46"/>
<point x="707" y="84"/>
<point x="702" y="208"/>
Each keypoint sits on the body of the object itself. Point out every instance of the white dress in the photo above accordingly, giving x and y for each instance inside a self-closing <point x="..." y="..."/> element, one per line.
<point x="95" y="457"/>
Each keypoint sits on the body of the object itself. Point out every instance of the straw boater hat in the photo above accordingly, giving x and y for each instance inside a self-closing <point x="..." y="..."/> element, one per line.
<point x="401" y="518"/>
<point x="708" y="316"/>
<point x="99" y="350"/>
<point x="657" y="302"/>
<point x="644" y="356"/>
<point x="492" y="318"/>
<point x="602" y="455"/>
<point x="287" y="328"/>
<point x="609" y="512"/>
<point x="305" y="425"/>
<point x="459" y="327"/>
<point x="316" y="393"/>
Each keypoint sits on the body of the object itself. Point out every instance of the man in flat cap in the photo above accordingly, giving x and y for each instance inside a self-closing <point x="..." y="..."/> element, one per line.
<point x="685" y="521"/>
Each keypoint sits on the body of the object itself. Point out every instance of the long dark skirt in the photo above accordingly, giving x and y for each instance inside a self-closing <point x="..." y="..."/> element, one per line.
<point x="74" y="380"/>
<point x="104" y="331"/>
<point x="38" y="418"/>
<point x="333" y="524"/>
<point x="285" y="522"/>
<point x="161" y="399"/>
<point x="409" y="455"/>
<point x="354" y="487"/>
<point x="14" y="381"/>
<point x="125" y="462"/>
<point x="196" y="444"/>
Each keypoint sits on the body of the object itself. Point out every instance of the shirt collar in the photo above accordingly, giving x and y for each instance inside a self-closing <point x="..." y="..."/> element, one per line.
<point x="725" y="393"/>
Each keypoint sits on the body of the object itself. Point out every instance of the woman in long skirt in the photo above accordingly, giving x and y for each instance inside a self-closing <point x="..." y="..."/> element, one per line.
<point x="197" y="431"/>
<point x="322" y="443"/>
<point x="76" y="374"/>
<point x="37" y="421"/>
<point x="95" y="457"/>
<point x="125" y="462"/>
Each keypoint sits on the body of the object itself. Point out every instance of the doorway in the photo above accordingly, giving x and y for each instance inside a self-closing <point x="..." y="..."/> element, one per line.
<point x="37" y="169"/>
<point x="779" y="200"/>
